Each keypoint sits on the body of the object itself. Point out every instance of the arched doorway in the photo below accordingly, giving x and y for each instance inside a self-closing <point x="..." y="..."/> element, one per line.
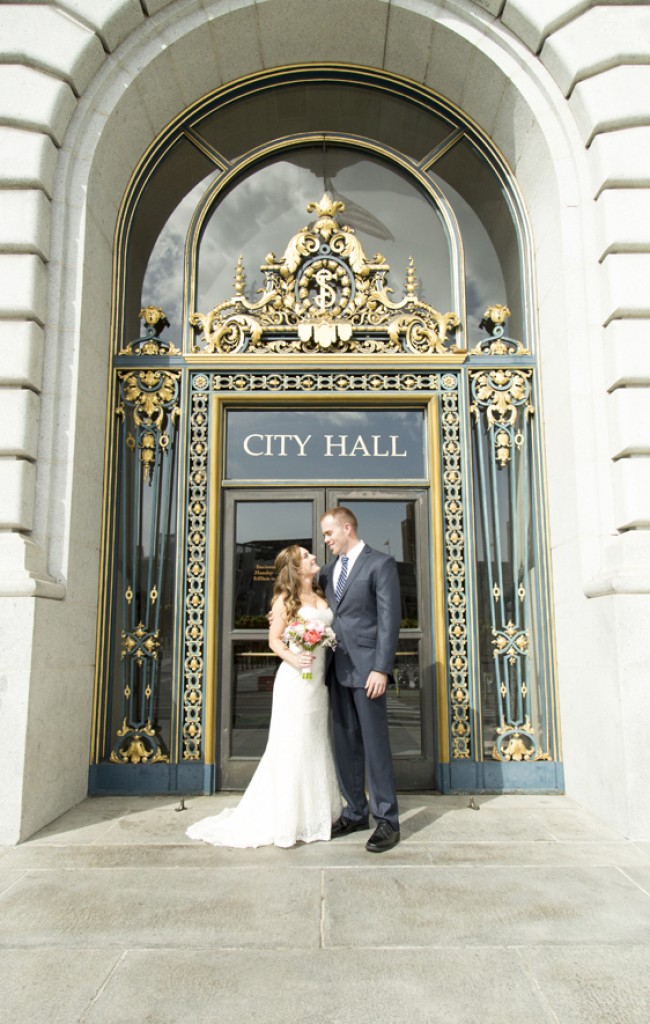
<point x="324" y="342"/>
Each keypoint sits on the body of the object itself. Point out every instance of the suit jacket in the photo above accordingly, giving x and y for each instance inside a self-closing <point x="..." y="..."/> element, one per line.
<point x="367" y="620"/>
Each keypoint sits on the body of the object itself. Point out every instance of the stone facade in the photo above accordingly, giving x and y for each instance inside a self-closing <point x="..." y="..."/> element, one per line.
<point x="563" y="89"/>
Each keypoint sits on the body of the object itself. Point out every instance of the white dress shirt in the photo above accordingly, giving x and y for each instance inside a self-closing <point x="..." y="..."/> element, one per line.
<point x="352" y="555"/>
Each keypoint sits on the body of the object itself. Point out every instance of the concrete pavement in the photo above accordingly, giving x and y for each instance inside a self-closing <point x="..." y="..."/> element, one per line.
<point x="527" y="909"/>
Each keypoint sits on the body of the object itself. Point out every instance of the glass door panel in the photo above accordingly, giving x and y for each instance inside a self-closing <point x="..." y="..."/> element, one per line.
<point x="396" y="522"/>
<point x="258" y="524"/>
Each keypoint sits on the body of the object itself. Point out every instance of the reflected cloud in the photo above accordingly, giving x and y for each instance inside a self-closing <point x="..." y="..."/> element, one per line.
<point x="165" y="274"/>
<point x="264" y="210"/>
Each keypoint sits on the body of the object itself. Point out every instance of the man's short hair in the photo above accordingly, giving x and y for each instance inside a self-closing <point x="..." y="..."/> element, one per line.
<point x="342" y="515"/>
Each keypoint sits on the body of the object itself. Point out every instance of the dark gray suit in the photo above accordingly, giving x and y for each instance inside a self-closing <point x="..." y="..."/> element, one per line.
<point x="366" y="623"/>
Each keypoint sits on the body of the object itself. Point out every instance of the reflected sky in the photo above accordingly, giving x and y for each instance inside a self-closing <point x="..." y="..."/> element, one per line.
<point x="325" y="445"/>
<point x="381" y="525"/>
<point x="163" y="279"/>
<point x="484" y="281"/>
<point x="264" y="210"/>
<point x="288" y="522"/>
<point x="284" y="521"/>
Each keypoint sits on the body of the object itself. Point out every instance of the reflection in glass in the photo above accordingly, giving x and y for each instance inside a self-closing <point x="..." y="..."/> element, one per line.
<point x="391" y="526"/>
<point x="314" y="106"/>
<point x="403" y="698"/>
<point x="265" y="208"/>
<point x="327" y="444"/>
<point x="172" y="179"/>
<point x="254" y="668"/>
<point x="262" y="529"/>
<point x="165" y="274"/>
<point x="483" y="271"/>
<point x="492" y="254"/>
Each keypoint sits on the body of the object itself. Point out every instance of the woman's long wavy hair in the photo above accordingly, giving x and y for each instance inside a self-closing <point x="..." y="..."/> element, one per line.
<point x="289" y="582"/>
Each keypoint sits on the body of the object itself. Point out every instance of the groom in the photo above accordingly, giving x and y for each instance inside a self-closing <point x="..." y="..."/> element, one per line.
<point x="362" y="588"/>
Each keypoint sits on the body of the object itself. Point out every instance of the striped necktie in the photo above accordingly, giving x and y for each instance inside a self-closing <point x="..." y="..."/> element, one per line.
<point x="343" y="575"/>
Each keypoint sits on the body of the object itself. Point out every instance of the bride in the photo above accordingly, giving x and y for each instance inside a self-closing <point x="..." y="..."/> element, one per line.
<point x="294" y="794"/>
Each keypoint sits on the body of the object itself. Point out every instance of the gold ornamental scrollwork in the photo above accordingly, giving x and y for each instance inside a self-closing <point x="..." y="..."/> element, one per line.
<point x="140" y="643"/>
<point x="498" y="343"/>
<point x="325" y="295"/>
<point x="510" y="642"/>
<point x="518" y="743"/>
<point x="152" y="398"/>
<point x="455" y="571"/>
<point x="501" y="394"/>
<point x="138" y="743"/>
<point x="138" y="746"/>
<point x="155" y="320"/>
<point x="195" y="571"/>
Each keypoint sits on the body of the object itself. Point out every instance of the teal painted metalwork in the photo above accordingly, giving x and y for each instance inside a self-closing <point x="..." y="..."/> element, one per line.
<point x="148" y="408"/>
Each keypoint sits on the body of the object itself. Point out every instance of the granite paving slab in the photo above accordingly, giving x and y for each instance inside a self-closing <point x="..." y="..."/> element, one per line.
<point x="347" y="852"/>
<point x="466" y="825"/>
<point x="594" y="984"/>
<point x="424" y="906"/>
<point x="318" y="987"/>
<point x="9" y="877"/>
<point x="165" y="907"/>
<point x="573" y="825"/>
<point x="51" y="986"/>
<point x="640" y="875"/>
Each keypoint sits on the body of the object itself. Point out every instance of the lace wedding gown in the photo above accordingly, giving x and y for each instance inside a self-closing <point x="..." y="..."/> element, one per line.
<point x="294" y="794"/>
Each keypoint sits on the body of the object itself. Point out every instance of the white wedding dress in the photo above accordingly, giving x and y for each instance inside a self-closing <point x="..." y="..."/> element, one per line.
<point x="294" y="794"/>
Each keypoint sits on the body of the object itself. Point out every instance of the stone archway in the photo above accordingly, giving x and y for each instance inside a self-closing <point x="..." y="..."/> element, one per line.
<point x="161" y="67"/>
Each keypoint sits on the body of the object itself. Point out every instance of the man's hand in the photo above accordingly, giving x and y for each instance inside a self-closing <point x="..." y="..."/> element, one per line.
<point x="376" y="684"/>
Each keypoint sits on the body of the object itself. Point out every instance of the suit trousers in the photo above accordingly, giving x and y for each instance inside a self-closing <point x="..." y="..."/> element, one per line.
<point x="361" y="741"/>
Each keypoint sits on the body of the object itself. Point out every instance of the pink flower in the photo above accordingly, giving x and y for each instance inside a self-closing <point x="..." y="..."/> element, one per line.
<point x="308" y="636"/>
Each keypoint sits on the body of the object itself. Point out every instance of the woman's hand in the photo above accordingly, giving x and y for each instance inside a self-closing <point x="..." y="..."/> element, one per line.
<point x="304" y="660"/>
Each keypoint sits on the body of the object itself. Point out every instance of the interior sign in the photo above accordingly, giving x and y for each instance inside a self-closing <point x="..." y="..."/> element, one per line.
<point x="325" y="444"/>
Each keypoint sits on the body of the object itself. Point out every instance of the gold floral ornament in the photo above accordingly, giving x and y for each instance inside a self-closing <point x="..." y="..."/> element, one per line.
<point x="518" y="743"/>
<point x="155" y="321"/>
<point x="325" y="295"/>
<point x="138" y="746"/>
<point x="140" y="644"/>
<point x="510" y="642"/>
<point x="152" y="399"/>
<point x="497" y="343"/>
<point x="501" y="394"/>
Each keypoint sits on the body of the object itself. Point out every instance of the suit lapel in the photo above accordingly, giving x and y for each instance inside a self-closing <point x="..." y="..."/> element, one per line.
<point x="328" y="573"/>
<point x="354" y="572"/>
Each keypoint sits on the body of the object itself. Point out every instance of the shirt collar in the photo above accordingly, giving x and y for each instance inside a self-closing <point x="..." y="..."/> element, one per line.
<point x="354" y="553"/>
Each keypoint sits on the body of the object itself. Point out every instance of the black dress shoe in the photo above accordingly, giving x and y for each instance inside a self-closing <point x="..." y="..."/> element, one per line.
<point x="343" y="827"/>
<point x="383" y="838"/>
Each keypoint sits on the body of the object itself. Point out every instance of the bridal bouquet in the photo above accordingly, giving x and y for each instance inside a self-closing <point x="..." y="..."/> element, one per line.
<point x="308" y="634"/>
